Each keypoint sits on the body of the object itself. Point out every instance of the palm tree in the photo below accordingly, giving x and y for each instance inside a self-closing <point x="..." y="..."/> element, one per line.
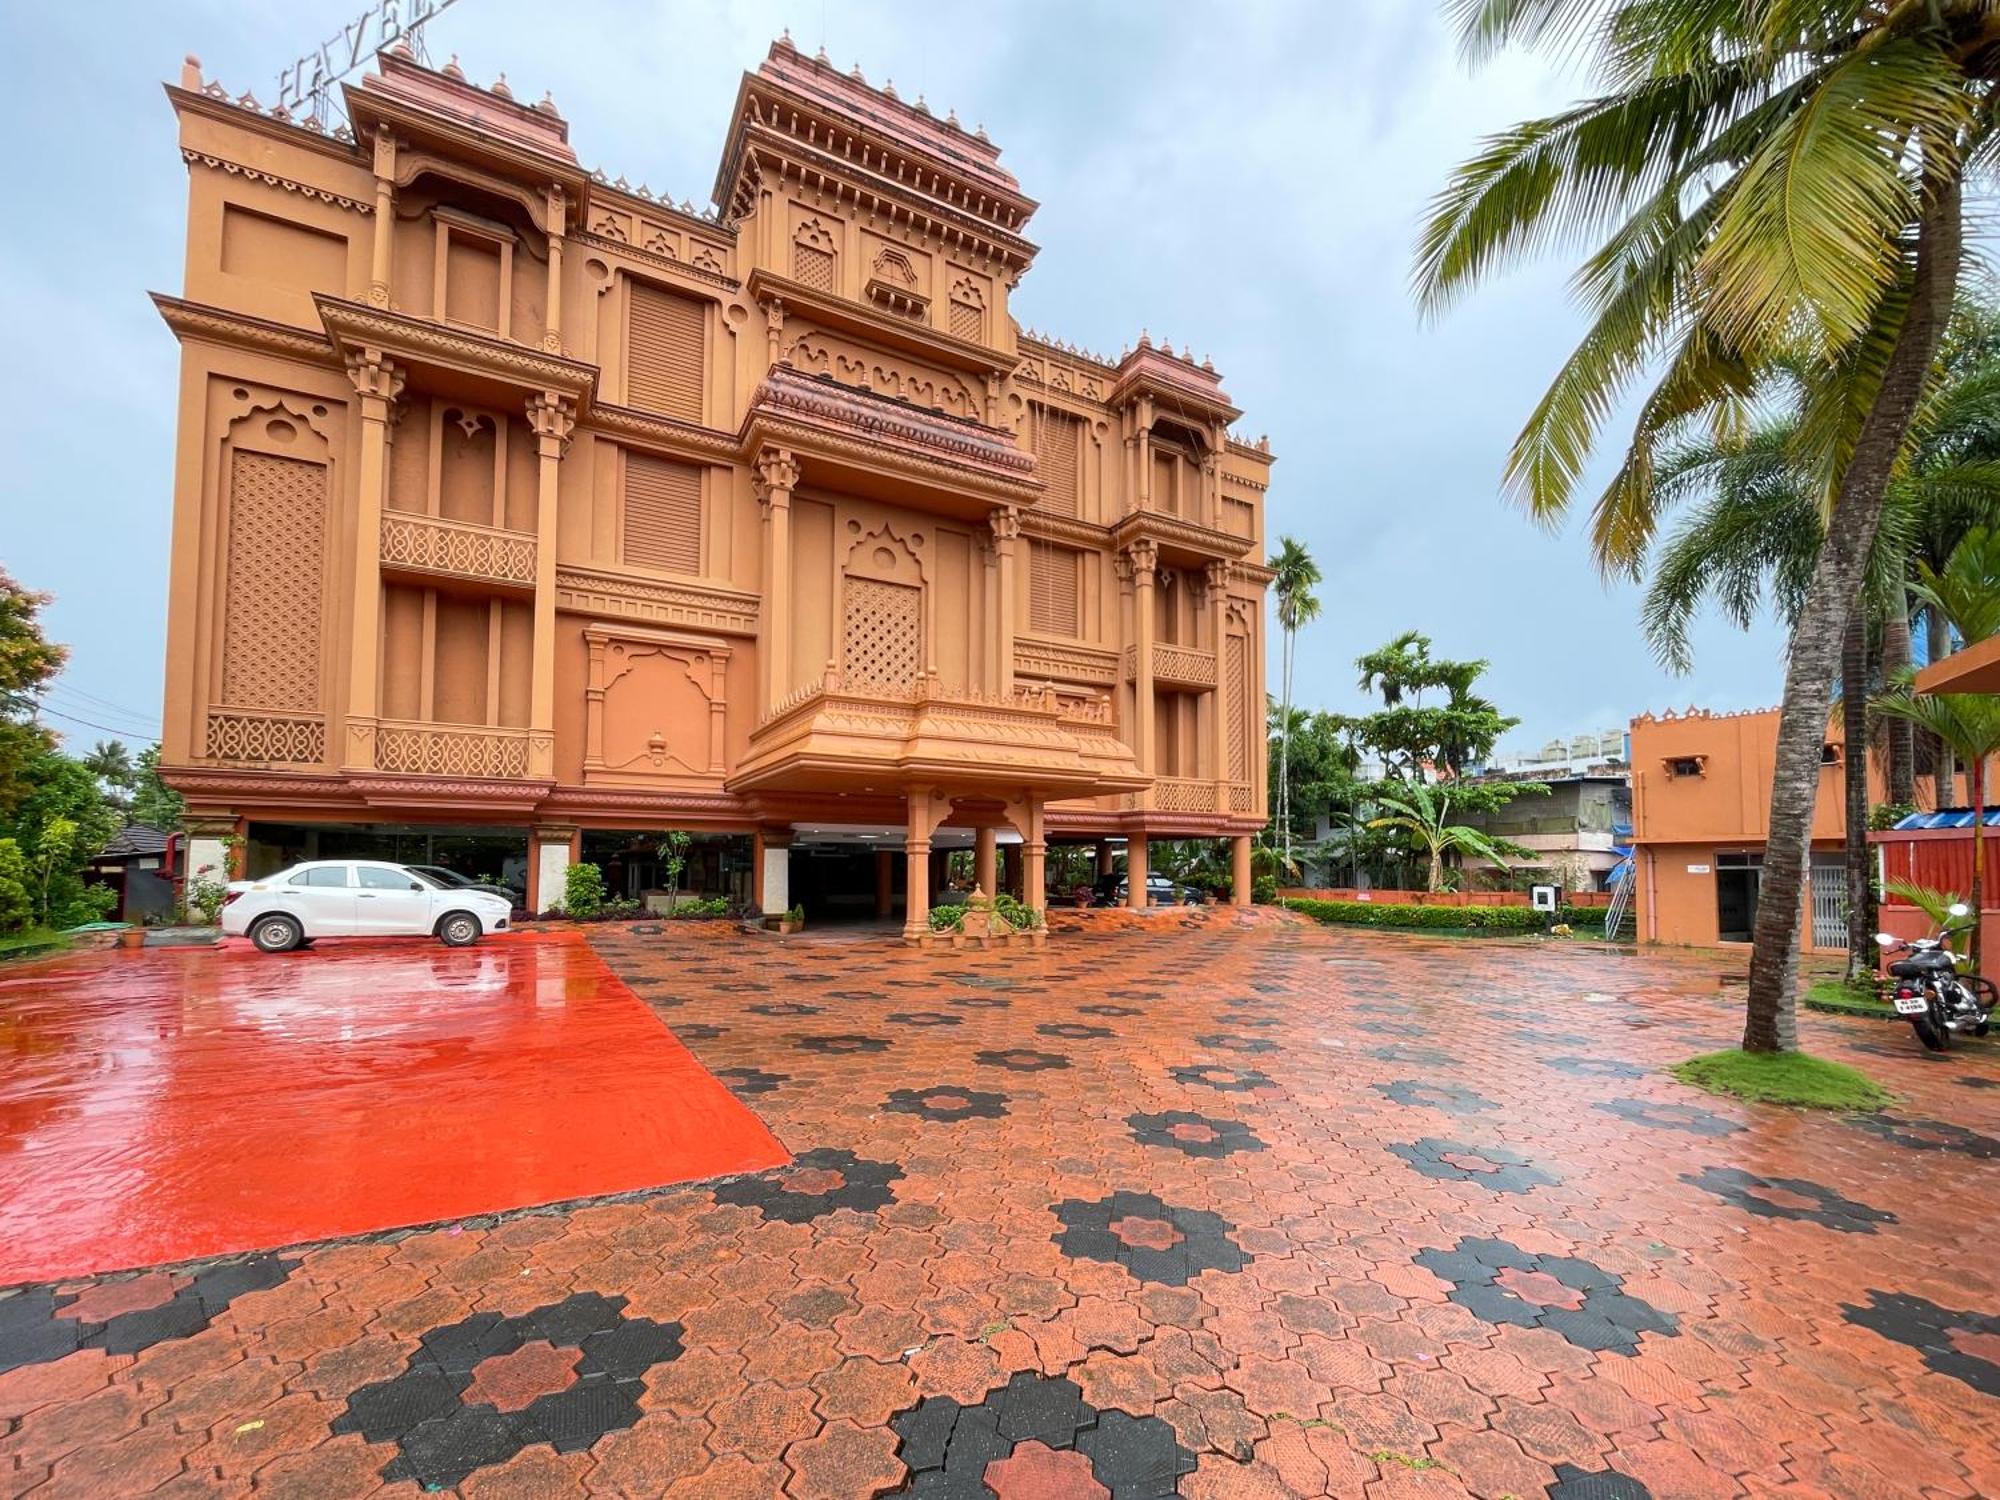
<point x="1970" y="724"/>
<point x="1293" y="575"/>
<point x="110" y="762"/>
<point x="1423" y="811"/>
<point x="1763" y="180"/>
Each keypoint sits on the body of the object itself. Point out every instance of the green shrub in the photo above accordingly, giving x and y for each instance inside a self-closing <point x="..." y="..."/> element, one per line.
<point x="946" y="918"/>
<point x="715" y="906"/>
<point x="620" y="908"/>
<point x="17" y="906"/>
<point x="1016" y="913"/>
<point x="583" y="892"/>
<point x="796" y="915"/>
<point x="1264" y="890"/>
<point x="1445" y="918"/>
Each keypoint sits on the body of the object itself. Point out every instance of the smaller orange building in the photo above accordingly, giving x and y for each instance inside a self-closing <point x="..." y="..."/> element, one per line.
<point x="1701" y="794"/>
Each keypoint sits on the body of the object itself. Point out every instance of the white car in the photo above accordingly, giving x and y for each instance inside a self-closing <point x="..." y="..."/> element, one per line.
<point x="357" y="898"/>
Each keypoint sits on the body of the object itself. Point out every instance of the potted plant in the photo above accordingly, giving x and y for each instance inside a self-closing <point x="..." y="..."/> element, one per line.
<point x="791" y="921"/>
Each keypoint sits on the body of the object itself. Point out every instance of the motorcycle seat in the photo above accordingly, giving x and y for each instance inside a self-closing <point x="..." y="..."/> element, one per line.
<point x="1923" y="963"/>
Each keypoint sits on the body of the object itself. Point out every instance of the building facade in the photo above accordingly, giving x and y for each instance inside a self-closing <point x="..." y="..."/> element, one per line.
<point x="512" y="503"/>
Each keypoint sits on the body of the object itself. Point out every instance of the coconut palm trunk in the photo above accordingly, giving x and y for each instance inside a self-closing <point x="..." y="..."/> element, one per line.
<point x="1771" y="1022"/>
<point x="1897" y="650"/>
<point x="1944" y="773"/>
<point x="1854" y="765"/>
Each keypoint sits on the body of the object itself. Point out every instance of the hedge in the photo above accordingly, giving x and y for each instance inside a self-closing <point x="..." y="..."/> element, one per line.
<point x="1444" y="918"/>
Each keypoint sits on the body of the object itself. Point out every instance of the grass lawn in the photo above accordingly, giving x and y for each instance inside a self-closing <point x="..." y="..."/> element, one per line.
<point x="1783" y="1078"/>
<point x="1842" y="998"/>
<point x="32" y="942"/>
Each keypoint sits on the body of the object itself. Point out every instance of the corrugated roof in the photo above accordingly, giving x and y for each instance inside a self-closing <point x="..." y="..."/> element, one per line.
<point x="1951" y="817"/>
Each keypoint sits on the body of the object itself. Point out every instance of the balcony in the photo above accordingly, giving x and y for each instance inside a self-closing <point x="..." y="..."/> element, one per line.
<point x="1180" y="667"/>
<point x="261" y="737"/>
<point x="458" y="551"/>
<point x="1181" y="794"/>
<point x="465" y="750"/>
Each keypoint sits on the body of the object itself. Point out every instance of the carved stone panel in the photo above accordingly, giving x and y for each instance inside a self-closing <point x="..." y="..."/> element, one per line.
<point x="656" y="707"/>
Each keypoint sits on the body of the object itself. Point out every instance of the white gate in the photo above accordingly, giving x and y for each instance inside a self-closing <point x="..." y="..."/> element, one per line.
<point x="1829" y="901"/>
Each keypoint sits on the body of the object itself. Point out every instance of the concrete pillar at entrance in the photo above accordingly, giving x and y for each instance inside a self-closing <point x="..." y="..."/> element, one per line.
<point x="885" y="883"/>
<point x="1106" y="861"/>
<point x="1010" y="869"/>
<point x="927" y="810"/>
<point x="1239" y="870"/>
<point x="554" y="854"/>
<point x="774" y="881"/>
<point x="986" y="860"/>
<point x="1135" y="871"/>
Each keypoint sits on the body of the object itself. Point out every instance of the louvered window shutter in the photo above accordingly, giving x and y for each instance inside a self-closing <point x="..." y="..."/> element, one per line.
<point x="662" y="526"/>
<point x="1052" y="580"/>
<point x="1056" y="445"/>
<point x="664" y="353"/>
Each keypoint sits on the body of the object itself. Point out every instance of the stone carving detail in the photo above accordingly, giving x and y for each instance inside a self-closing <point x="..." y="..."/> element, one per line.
<point x="458" y="547"/>
<point x="968" y="310"/>
<point x="1237" y="653"/>
<point x="451" y="750"/>
<point x="1181" y="796"/>
<point x="938" y="392"/>
<point x="264" y="739"/>
<point x="254" y="174"/>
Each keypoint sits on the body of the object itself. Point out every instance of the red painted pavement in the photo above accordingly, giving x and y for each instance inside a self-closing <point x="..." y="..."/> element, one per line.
<point x="176" y="1103"/>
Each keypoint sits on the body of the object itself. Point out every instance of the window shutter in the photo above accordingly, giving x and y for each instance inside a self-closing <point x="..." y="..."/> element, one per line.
<point x="662" y="526"/>
<point x="664" y="354"/>
<point x="1056" y="444"/>
<point x="1052" y="588"/>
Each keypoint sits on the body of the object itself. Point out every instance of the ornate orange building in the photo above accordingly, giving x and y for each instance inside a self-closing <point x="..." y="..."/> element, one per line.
<point x="516" y="502"/>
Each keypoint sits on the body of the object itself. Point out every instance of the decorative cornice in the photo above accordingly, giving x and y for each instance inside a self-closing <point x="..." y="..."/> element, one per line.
<point x="305" y="190"/>
<point x="419" y="341"/>
<point x="201" y="323"/>
<point x="653" y="258"/>
<point x="1178" y="534"/>
<point x="670" y="435"/>
<point x="838" y="314"/>
<point x="1065" y="528"/>
<point x="1065" y="661"/>
<point x="620" y="596"/>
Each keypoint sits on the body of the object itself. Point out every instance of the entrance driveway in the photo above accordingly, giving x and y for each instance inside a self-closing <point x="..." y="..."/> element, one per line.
<point x="1212" y="1203"/>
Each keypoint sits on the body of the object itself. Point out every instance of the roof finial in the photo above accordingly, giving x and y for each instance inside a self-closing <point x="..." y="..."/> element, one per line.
<point x="452" y="70"/>
<point x="500" y="87"/>
<point x="785" y="40"/>
<point x="889" y="89"/>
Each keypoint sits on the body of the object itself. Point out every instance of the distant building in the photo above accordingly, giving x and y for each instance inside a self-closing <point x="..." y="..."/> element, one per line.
<point x="1578" y="833"/>
<point x="1701" y="794"/>
<point x="139" y="864"/>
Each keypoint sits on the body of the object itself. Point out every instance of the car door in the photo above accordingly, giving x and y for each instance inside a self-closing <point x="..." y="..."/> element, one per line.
<point x="323" y="899"/>
<point x="390" y="902"/>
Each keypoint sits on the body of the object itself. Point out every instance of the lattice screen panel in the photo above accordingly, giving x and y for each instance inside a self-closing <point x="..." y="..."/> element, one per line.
<point x="1238" y="679"/>
<point x="813" y="266"/>
<point x="276" y="558"/>
<point x="884" y="638"/>
<point x="967" y="321"/>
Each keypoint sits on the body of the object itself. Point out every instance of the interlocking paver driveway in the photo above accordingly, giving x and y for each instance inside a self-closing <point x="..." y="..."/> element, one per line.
<point x="1452" y="1233"/>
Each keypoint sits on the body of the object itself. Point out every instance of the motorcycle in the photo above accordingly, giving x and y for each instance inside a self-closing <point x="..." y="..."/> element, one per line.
<point x="1929" y="991"/>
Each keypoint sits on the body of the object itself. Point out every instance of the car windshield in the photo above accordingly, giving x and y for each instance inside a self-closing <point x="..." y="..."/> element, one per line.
<point x="438" y="876"/>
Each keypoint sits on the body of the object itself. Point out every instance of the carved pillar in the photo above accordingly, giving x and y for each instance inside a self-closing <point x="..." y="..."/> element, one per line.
<point x="1106" y="862"/>
<point x="1145" y="454"/>
<point x="1006" y="525"/>
<point x="986" y="859"/>
<point x="774" y="329"/>
<point x="1034" y="858"/>
<point x="1239" y="870"/>
<point x="378" y="382"/>
<point x="777" y="476"/>
<point x="1135" y="870"/>
<point x="382" y="255"/>
<point x="1144" y="557"/>
<point x="552" y="336"/>
<point x="1218" y="717"/>
<point x="924" y="816"/>
<point x="552" y="419"/>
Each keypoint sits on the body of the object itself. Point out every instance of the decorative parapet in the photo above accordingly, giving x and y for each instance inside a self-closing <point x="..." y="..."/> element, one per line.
<point x="458" y="549"/>
<point x="594" y="591"/>
<point x="417" y="749"/>
<point x="264" y="737"/>
<point x="1179" y="795"/>
<point x="1175" y="667"/>
<point x="1064" y="661"/>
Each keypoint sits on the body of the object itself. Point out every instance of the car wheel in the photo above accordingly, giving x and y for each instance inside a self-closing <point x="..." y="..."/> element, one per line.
<point x="277" y="934"/>
<point x="460" y="929"/>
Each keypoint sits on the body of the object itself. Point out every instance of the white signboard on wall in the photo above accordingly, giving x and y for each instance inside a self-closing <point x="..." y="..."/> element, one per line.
<point x="1697" y="869"/>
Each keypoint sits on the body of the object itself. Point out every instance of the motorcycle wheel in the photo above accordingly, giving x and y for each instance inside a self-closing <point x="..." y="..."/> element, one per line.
<point x="1930" y="1027"/>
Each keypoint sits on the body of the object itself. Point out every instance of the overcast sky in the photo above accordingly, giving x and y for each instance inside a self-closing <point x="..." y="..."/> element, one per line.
<point x="1243" y="178"/>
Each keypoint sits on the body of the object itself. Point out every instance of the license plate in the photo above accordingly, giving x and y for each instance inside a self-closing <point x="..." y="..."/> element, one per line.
<point x="1912" y="1005"/>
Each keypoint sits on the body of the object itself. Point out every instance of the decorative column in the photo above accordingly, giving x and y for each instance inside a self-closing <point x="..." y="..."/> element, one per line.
<point x="771" y="853"/>
<point x="986" y="859"/>
<point x="777" y="477"/>
<point x="552" y="419"/>
<point x="548" y="872"/>
<point x="1034" y="859"/>
<point x="558" y="208"/>
<point x="1218" y="721"/>
<point x="1106" y="862"/>
<point x="1239" y="870"/>
<point x="378" y="382"/>
<point x="1006" y="525"/>
<point x="924" y="817"/>
<point x="382" y="256"/>
<point x="1144" y="557"/>
<point x="1135" y="870"/>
